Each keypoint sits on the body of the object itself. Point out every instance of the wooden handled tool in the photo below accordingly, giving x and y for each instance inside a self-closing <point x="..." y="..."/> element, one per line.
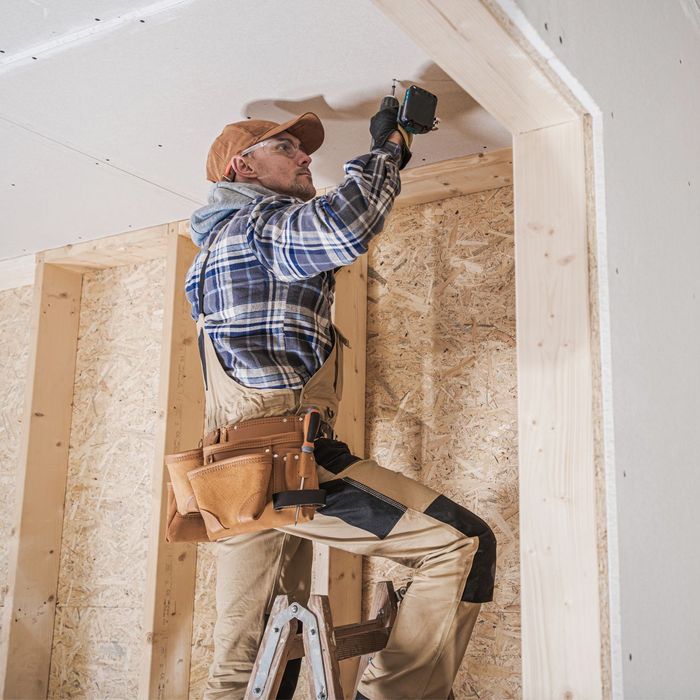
<point x="312" y="423"/>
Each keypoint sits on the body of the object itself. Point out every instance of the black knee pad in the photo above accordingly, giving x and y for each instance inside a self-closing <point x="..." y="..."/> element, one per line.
<point x="482" y="573"/>
<point x="333" y="455"/>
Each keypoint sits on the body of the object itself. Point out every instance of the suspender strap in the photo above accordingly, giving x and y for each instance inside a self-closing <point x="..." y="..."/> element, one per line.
<point x="200" y="286"/>
<point x="200" y="322"/>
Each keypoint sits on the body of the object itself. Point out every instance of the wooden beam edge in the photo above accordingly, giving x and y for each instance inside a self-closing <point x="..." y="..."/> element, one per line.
<point x="479" y="51"/>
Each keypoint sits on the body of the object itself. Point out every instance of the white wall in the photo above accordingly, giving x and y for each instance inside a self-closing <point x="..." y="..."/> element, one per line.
<point x="640" y="62"/>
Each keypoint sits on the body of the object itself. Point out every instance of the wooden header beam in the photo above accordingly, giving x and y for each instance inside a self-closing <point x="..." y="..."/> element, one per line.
<point x="128" y="248"/>
<point x="477" y="172"/>
<point x="457" y="176"/>
<point x="426" y="183"/>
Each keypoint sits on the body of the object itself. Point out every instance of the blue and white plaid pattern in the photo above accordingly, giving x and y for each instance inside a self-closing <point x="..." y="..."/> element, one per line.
<point x="269" y="281"/>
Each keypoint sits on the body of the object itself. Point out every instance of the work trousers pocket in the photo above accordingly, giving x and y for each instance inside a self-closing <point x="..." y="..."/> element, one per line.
<point x="232" y="491"/>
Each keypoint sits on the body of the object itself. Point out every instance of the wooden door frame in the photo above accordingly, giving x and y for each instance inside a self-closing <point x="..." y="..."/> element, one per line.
<point x="490" y="50"/>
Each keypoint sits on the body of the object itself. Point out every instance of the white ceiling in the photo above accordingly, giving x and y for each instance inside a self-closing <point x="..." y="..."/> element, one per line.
<point x="105" y="125"/>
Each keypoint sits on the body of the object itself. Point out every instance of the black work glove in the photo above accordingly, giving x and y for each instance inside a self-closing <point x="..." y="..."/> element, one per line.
<point x="382" y="124"/>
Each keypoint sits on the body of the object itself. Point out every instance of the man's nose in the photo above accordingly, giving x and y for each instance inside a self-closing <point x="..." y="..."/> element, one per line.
<point x="304" y="158"/>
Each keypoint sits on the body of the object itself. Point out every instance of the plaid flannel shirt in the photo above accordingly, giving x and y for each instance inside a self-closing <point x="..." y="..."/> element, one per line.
<point x="270" y="277"/>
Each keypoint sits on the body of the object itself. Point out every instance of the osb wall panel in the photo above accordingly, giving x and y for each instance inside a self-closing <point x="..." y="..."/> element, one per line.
<point x="102" y="577"/>
<point x="203" y="620"/>
<point x="441" y="393"/>
<point x="15" y="316"/>
<point x="441" y="405"/>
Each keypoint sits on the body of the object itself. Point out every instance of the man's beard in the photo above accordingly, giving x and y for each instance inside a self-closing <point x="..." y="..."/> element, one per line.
<point x="303" y="191"/>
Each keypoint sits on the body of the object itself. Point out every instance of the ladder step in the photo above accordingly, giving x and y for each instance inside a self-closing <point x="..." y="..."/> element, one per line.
<point x="350" y="640"/>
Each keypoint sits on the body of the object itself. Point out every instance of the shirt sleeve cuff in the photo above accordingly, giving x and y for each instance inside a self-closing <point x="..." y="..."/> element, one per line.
<point x="394" y="149"/>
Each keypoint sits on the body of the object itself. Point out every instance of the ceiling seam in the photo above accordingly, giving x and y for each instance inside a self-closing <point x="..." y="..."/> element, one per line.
<point x="97" y="159"/>
<point x="80" y="36"/>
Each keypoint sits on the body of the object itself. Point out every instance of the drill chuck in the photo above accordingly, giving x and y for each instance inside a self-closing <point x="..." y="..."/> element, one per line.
<point x="389" y="102"/>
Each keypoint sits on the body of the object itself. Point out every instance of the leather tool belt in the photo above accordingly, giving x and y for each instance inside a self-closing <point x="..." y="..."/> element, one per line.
<point x="255" y="475"/>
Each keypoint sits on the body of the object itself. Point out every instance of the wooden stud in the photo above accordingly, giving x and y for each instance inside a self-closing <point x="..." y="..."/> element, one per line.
<point x="27" y="629"/>
<point x="171" y="567"/>
<point x="559" y="566"/>
<point x="350" y="315"/>
<point x="338" y="574"/>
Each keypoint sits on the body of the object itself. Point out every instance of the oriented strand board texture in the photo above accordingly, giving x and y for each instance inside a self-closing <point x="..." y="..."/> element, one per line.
<point x="102" y="577"/>
<point x="15" y="317"/>
<point x="441" y="393"/>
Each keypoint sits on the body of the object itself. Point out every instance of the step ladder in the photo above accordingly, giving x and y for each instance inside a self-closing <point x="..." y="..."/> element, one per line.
<point x="323" y="644"/>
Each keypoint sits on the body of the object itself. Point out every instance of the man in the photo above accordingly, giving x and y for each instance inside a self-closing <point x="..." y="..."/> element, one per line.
<point x="263" y="301"/>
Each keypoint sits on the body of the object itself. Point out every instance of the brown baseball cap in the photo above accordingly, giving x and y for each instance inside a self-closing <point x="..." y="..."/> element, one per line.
<point x="238" y="136"/>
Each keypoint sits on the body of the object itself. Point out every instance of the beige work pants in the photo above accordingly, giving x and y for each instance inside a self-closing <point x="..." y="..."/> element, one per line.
<point x="375" y="512"/>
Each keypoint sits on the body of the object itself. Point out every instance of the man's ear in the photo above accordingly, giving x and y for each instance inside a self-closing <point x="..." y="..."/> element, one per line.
<point x="243" y="168"/>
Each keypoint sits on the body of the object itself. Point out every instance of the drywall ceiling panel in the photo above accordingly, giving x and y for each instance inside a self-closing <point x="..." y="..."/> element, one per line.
<point x="149" y="97"/>
<point x="94" y="201"/>
<point x="29" y="23"/>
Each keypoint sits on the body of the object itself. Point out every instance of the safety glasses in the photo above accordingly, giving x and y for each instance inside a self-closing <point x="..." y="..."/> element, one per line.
<point x="276" y="146"/>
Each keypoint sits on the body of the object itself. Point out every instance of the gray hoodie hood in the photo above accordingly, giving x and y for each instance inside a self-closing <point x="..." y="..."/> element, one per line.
<point x="225" y="199"/>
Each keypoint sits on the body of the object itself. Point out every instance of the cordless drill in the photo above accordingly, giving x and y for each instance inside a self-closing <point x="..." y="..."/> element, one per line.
<point x="417" y="112"/>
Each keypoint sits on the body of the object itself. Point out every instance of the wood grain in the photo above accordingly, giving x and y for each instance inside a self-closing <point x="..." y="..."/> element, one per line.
<point x="102" y="572"/>
<point x="171" y="567"/>
<point x="560" y="604"/>
<point x="450" y="178"/>
<point x="25" y="649"/>
<point x="127" y="248"/>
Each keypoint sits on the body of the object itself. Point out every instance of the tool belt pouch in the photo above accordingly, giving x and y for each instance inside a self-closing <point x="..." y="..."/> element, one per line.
<point x="184" y="521"/>
<point x="232" y="491"/>
<point x="251" y="480"/>
<point x="179" y="464"/>
<point x="183" y="528"/>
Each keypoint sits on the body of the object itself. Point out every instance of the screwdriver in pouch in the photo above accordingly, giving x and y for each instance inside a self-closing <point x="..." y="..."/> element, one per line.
<point x="312" y="422"/>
